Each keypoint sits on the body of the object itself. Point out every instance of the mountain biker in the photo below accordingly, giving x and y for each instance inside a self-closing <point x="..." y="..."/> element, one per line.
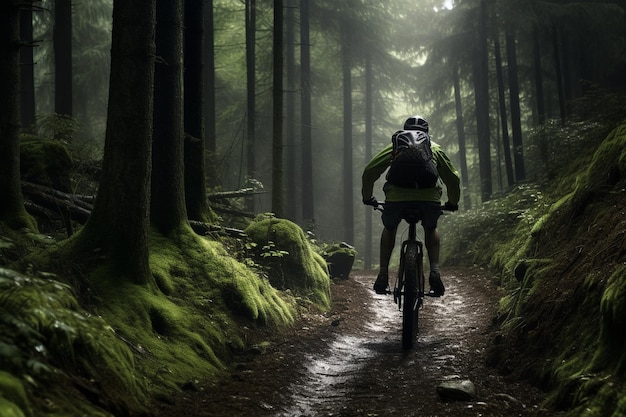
<point x="426" y="200"/>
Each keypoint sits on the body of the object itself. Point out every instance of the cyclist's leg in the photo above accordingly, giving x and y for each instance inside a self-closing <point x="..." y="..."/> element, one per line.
<point x="391" y="218"/>
<point x="431" y="213"/>
<point x="387" y="243"/>
<point x="433" y="244"/>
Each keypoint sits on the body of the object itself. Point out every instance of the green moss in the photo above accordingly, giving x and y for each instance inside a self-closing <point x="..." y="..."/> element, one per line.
<point x="339" y="258"/>
<point x="147" y="340"/>
<point x="282" y="248"/>
<point x="52" y="332"/>
<point x="612" y="353"/>
<point x="9" y="409"/>
<point x="188" y="327"/>
<point x="562" y="263"/>
<point x="13" y="399"/>
<point x="609" y="161"/>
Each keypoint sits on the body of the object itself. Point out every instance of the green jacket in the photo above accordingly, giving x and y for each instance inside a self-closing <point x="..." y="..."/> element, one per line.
<point x="447" y="173"/>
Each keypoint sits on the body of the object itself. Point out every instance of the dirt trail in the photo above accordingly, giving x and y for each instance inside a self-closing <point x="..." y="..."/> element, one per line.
<point x="349" y="362"/>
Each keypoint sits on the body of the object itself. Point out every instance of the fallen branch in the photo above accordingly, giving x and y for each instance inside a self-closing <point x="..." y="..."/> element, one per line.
<point x="55" y="201"/>
<point x="233" y="212"/>
<point x="52" y="204"/>
<point x="244" y="192"/>
<point x="204" y="229"/>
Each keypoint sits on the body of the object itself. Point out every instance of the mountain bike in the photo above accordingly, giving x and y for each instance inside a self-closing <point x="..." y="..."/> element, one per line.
<point x="409" y="289"/>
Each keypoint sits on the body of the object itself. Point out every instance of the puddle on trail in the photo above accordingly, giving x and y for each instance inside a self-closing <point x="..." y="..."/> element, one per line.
<point x="350" y="370"/>
<point x="332" y="375"/>
<point x="329" y="377"/>
<point x="339" y="373"/>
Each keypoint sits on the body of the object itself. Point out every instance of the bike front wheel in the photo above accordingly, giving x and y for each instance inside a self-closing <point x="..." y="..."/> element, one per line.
<point x="410" y="307"/>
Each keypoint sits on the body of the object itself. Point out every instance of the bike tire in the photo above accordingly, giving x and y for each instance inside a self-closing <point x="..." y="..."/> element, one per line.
<point x="410" y="307"/>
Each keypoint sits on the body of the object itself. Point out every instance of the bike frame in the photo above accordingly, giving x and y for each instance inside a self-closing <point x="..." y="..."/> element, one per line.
<point x="409" y="288"/>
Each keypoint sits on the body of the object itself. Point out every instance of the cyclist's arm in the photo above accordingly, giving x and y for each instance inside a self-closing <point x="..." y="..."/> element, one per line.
<point x="449" y="176"/>
<point x="374" y="169"/>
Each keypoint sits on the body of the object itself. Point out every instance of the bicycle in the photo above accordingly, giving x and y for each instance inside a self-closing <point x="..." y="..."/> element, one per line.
<point x="409" y="289"/>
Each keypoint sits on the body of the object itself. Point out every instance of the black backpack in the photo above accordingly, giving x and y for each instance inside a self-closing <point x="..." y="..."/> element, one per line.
<point x="412" y="164"/>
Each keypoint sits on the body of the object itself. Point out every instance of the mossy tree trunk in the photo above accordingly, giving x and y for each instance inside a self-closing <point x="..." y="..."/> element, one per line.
<point x="12" y="211"/>
<point x="195" y="161"/>
<point x="119" y="220"/>
<point x="167" y="209"/>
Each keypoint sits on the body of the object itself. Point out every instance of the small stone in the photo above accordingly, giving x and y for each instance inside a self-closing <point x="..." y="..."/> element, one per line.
<point x="510" y="400"/>
<point x="456" y="390"/>
<point x="191" y="386"/>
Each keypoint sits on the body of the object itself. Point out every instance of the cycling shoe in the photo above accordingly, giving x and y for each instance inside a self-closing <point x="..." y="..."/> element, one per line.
<point x="436" y="285"/>
<point x="381" y="284"/>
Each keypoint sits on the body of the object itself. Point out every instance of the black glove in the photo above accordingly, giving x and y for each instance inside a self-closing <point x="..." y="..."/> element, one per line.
<point x="450" y="207"/>
<point x="371" y="202"/>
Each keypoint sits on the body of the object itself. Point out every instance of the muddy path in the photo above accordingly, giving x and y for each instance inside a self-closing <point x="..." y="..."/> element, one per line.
<point x="349" y="361"/>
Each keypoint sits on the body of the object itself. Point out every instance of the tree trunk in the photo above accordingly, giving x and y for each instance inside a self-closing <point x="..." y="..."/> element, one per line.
<point x="63" y="57"/>
<point x="277" y="113"/>
<point x="348" y="201"/>
<point x="291" y="210"/>
<point x="167" y="212"/>
<point x="27" y="77"/>
<point x="307" y="146"/>
<point x="508" y="163"/>
<point x="558" y="72"/>
<point x="195" y="161"/>
<point x="12" y="212"/>
<point x="251" y="93"/>
<point x="541" y="111"/>
<point x="209" y="94"/>
<point x="125" y="182"/>
<point x="460" y="129"/>
<point x="516" y="122"/>
<point x="481" y="85"/>
<point x="369" y="85"/>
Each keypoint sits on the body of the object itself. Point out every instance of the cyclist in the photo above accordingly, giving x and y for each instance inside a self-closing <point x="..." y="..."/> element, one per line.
<point x="426" y="200"/>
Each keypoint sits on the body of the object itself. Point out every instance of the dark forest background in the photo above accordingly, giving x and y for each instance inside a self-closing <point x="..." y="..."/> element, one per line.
<point x="139" y="138"/>
<point x="492" y="77"/>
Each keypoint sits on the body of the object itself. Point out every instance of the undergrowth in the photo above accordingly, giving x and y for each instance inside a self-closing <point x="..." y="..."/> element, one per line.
<point x="558" y="249"/>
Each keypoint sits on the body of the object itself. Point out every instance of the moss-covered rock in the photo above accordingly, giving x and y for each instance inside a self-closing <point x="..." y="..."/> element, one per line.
<point x="46" y="162"/>
<point x="339" y="258"/>
<point x="282" y="247"/>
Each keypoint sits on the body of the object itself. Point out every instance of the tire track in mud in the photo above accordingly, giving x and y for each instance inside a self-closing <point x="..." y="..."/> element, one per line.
<point x="365" y="371"/>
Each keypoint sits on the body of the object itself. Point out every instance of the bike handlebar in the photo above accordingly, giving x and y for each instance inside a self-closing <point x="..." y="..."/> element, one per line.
<point x="381" y="207"/>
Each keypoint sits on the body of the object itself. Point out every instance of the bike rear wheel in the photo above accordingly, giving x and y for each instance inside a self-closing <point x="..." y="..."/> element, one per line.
<point x="410" y="307"/>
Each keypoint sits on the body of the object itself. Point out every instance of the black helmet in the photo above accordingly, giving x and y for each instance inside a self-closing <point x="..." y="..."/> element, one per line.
<point x="416" y="123"/>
